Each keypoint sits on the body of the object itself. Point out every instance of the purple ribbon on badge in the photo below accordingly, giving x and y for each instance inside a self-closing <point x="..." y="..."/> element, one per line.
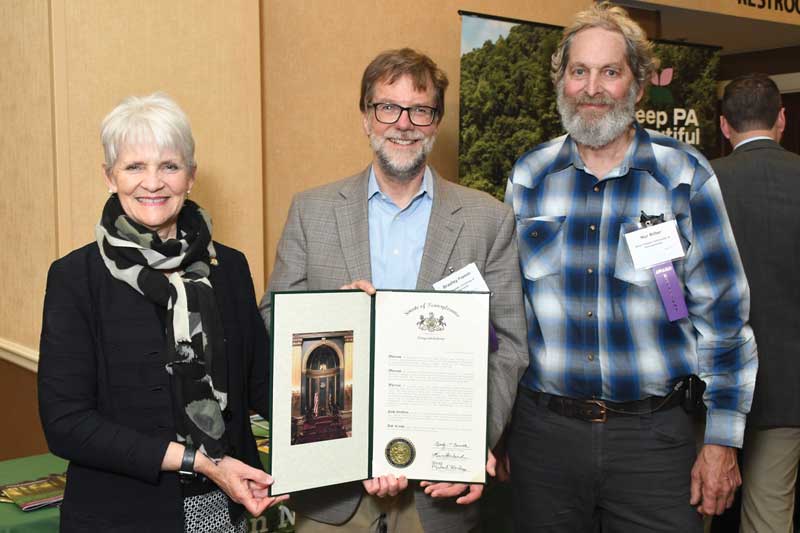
<point x="671" y="291"/>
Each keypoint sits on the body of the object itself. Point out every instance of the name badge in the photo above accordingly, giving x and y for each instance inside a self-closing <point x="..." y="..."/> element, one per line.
<point x="464" y="279"/>
<point x="655" y="247"/>
<point x="468" y="279"/>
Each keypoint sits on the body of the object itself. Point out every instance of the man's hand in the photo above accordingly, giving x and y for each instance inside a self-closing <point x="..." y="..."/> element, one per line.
<point x="466" y="493"/>
<point x="503" y="468"/>
<point x="715" y="478"/>
<point x="359" y="284"/>
<point x="503" y="465"/>
<point x="387" y="485"/>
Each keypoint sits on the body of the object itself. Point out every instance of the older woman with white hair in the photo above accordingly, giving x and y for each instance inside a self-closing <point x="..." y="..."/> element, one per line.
<point x="152" y="349"/>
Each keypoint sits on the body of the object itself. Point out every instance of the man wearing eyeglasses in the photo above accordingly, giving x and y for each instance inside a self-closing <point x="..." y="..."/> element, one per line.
<point x="398" y="225"/>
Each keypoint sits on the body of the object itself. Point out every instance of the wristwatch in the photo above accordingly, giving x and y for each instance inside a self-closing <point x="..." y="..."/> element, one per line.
<point x="186" y="470"/>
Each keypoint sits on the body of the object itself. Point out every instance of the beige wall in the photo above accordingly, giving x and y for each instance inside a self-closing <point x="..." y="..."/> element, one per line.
<point x="27" y="205"/>
<point x="205" y="54"/>
<point x="66" y="64"/>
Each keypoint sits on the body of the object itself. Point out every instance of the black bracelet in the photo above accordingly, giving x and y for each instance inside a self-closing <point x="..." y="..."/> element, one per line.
<point x="187" y="463"/>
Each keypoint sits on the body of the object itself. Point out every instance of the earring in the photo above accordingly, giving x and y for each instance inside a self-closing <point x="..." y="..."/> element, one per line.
<point x="188" y="192"/>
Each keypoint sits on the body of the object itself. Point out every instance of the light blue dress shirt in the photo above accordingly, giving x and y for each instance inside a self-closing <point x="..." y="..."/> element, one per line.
<point x="397" y="236"/>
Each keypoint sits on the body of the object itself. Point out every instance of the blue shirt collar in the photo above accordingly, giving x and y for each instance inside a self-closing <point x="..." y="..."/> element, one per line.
<point x="639" y="155"/>
<point x="425" y="188"/>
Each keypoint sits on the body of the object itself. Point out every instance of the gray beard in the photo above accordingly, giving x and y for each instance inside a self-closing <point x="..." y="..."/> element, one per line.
<point x="401" y="171"/>
<point x="602" y="130"/>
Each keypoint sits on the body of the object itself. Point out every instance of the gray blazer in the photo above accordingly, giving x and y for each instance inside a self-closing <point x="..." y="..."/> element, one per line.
<point x="760" y="184"/>
<point x="325" y="244"/>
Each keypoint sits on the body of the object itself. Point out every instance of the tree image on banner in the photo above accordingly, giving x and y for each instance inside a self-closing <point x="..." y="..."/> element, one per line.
<point x="508" y="102"/>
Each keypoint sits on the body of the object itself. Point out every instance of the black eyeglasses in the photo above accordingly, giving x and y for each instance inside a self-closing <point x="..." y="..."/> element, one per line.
<point x="419" y="115"/>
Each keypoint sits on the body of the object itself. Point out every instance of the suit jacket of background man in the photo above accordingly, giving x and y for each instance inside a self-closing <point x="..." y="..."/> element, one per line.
<point x="325" y="244"/>
<point x="104" y="393"/>
<point x="760" y="183"/>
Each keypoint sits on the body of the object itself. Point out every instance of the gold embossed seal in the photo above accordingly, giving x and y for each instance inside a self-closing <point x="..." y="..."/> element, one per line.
<point x="400" y="452"/>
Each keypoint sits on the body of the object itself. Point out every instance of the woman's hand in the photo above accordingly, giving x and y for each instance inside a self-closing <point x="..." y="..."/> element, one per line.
<point x="242" y="483"/>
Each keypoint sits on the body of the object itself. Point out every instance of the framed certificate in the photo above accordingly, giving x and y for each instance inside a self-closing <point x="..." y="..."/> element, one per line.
<point x="364" y="386"/>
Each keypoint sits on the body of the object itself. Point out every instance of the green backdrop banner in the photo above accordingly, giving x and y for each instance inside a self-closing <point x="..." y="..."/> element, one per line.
<point x="508" y="103"/>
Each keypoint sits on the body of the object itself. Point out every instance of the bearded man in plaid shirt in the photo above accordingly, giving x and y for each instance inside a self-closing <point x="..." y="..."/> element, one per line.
<point x="598" y="434"/>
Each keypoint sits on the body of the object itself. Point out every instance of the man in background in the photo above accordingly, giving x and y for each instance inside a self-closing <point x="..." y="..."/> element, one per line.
<point x="398" y="225"/>
<point x="760" y="182"/>
<point x="599" y="436"/>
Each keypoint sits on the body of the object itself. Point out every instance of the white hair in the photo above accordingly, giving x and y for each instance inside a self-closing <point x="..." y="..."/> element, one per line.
<point x="154" y="119"/>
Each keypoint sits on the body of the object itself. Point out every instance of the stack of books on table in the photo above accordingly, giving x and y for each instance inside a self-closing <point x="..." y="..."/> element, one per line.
<point x="30" y="495"/>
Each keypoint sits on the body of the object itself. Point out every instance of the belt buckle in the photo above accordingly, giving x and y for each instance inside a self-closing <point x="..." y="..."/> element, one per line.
<point x="603" y="411"/>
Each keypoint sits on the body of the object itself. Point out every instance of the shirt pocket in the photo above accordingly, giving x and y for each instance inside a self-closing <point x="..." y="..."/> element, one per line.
<point x="623" y="265"/>
<point x="540" y="246"/>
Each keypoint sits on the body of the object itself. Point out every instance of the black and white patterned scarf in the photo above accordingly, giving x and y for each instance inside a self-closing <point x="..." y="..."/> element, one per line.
<point x="174" y="273"/>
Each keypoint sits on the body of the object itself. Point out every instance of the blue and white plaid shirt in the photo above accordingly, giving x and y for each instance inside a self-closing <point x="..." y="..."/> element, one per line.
<point x="596" y="326"/>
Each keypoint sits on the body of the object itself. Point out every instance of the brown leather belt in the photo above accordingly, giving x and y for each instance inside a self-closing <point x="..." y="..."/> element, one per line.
<point x="601" y="410"/>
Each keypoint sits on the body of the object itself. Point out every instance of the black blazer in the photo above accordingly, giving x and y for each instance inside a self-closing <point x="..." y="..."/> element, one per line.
<point x="760" y="184"/>
<point x="104" y="397"/>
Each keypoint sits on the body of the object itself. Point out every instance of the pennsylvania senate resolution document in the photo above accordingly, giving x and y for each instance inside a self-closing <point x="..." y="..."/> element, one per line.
<point x="391" y="384"/>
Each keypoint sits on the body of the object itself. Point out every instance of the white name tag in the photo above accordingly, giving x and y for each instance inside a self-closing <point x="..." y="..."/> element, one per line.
<point x="464" y="279"/>
<point x="654" y="245"/>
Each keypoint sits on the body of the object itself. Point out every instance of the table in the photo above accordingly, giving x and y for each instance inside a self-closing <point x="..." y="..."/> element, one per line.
<point x="12" y="519"/>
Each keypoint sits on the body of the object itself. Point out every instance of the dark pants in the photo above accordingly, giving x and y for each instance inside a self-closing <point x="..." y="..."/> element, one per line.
<point x="628" y="474"/>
